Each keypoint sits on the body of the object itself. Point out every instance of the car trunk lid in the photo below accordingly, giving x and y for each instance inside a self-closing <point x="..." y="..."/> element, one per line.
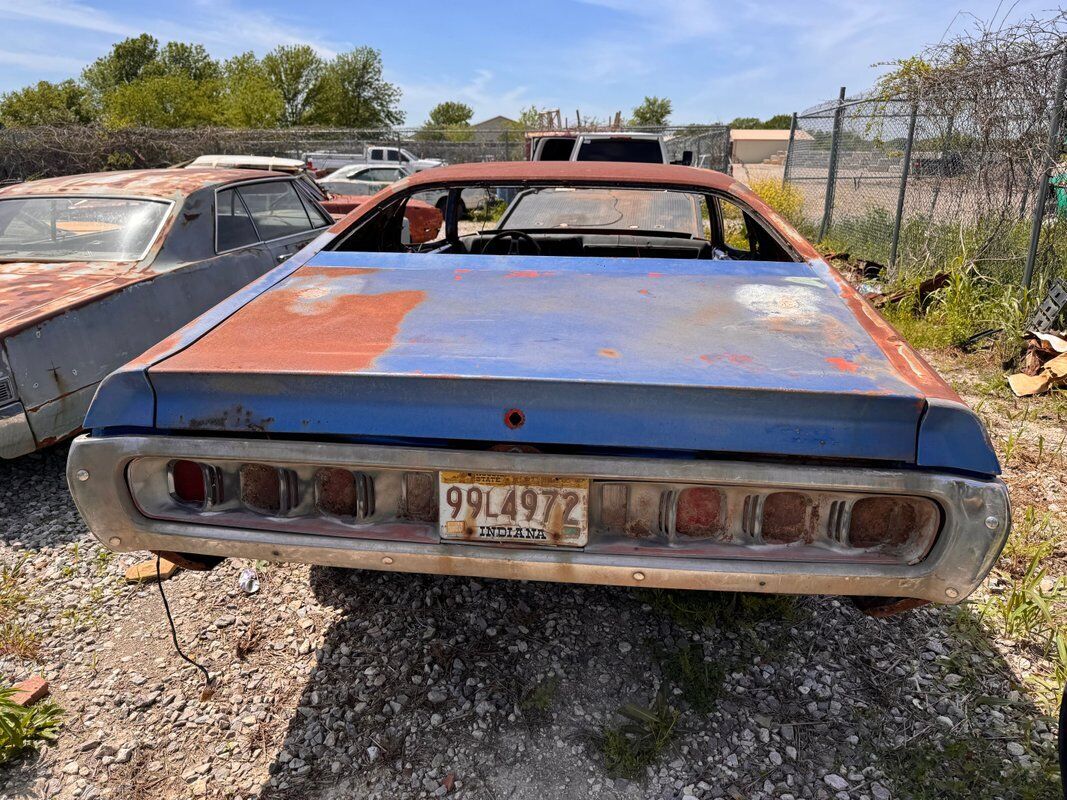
<point x="727" y="356"/>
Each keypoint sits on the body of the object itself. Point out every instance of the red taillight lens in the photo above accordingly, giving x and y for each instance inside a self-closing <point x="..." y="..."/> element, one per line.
<point x="188" y="482"/>
<point x="699" y="512"/>
<point x="268" y="490"/>
<point x="342" y="493"/>
<point x="787" y="518"/>
<point x="891" y="523"/>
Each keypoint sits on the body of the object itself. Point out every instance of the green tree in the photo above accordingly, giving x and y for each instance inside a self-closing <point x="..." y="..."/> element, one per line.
<point x="779" y="122"/>
<point x="165" y="101"/>
<point x="652" y="111"/>
<point x="46" y="103"/>
<point x="296" y="72"/>
<point x="451" y="114"/>
<point x="250" y="97"/>
<point x="745" y="123"/>
<point x="191" y="60"/>
<point x="126" y="63"/>
<point x="353" y="93"/>
<point x="449" y="120"/>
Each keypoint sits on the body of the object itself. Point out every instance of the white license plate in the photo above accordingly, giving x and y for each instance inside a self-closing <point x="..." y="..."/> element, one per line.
<point x="531" y="509"/>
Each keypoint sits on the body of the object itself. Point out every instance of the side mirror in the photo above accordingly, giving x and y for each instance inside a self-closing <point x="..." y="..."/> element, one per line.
<point x="686" y="160"/>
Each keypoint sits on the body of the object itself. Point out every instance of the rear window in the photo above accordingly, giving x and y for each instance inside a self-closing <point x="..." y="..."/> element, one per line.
<point x="645" y="151"/>
<point x="79" y="228"/>
<point x="616" y="210"/>
<point x="233" y="226"/>
<point x="557" y="149"/>
<point x="276" y="209"/>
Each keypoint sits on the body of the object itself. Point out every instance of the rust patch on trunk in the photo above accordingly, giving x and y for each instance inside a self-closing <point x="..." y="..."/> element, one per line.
<point x="842" y="364"/>
<point x="301" y="328"/>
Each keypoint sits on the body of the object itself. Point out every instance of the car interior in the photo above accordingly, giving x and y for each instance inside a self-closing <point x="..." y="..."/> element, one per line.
<point x="576" y="221"/>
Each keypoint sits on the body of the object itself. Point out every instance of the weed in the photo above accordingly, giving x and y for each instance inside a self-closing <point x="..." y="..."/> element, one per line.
<point x="537" y="699"/>
<point x="22" y="728"/>
<point x="1033" y="533"/>
<point x="635" y="744"/>
<point x="1027" y="607"/>
<point x="969" y="303"/>
<point x="785" y="198"/>
<point x="492" y="211"/>
<point x="15" y="638"/>
<point x="696" y="610"/>
<point x="922" y="772"/>
<point x="700" y="681"/>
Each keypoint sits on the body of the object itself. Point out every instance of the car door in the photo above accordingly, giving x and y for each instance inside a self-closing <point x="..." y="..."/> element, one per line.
<point x="285" y="218"/>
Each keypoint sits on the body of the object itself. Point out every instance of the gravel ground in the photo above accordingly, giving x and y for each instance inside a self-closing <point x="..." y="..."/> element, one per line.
<point x="335" y="684"/>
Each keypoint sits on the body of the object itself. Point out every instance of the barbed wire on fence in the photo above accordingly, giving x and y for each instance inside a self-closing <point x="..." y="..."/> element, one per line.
<point x="945" y="161"/>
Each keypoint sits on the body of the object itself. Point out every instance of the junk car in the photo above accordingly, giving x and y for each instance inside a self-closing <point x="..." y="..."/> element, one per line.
<point x="96" y="268"/>
<point x="637" y="374"/>
<point x="339" y="198"/>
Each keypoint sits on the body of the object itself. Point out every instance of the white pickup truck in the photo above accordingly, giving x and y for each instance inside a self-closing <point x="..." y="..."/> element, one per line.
<point x="646" y="148"/>
<point x="376" y="155"/>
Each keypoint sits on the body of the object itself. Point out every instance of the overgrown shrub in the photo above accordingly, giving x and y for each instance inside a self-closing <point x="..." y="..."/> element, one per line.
<point x="785" y="198"/>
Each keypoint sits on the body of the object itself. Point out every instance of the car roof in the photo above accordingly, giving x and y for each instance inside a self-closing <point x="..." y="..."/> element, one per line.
<point x="578" y="171"/>
<point x="620" y="135"/>
<point x="147" y="182"/>
<point x="244" y="162"/>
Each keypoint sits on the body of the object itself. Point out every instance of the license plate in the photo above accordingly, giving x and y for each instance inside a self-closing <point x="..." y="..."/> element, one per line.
<point x="530" y="509"/>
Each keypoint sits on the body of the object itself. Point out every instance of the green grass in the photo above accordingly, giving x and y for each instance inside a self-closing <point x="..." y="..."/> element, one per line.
<point x="637" y="742"/>
<point x="15" y="638"/>
<point x="492" y="211"/>
<point x="969" y="768"/>
<point x="699" y="681"/>
<point x="23" y="729"/>
<point x="696" y="610"/>
<point x="538" y="698"/>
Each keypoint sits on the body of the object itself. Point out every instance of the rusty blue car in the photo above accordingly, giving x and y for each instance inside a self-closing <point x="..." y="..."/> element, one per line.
<point x="96" y="268"/>
<point x="629" y="374"/>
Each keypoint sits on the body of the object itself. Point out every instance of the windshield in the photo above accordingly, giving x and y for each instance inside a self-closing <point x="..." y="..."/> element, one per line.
<point x="616" y="210"/>
<point x="79" y="228"/>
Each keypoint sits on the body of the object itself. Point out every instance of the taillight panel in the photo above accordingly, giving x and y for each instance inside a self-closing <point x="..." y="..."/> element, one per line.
<point x="740" y="521"/>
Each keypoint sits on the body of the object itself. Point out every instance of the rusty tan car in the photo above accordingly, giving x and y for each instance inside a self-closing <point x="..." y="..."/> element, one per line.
<point x="96" y="268"/>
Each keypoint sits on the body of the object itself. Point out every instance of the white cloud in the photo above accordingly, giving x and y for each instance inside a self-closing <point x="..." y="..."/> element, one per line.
<point x="41" y="61"/>
<point x="66" y="14"/>
<point x="224" y="27"/>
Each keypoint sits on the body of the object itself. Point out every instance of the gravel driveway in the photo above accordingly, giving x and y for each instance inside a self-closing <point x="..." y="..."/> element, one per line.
<point x="335" y="684"/>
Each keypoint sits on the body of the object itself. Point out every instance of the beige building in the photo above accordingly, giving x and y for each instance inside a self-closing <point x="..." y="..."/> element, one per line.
<point x="761" y="145"/>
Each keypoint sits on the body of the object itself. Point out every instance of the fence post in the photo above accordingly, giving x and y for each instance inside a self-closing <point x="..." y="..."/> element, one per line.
<point x="904" y="172"/>
<point x="789" y="150"/>
<point x="1055" y="144"/>
<point x="831" y="169"/>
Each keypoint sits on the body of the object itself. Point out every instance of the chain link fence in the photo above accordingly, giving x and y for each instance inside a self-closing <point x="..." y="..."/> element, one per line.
<point x="951" y="173"/>
<point x="39" y="152"/>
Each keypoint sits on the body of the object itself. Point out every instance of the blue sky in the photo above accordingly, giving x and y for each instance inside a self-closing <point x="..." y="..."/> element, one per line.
<point x="716" y="60"/>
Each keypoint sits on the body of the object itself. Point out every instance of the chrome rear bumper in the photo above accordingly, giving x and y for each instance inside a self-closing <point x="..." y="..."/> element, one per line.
<point x="975" y="525"/>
